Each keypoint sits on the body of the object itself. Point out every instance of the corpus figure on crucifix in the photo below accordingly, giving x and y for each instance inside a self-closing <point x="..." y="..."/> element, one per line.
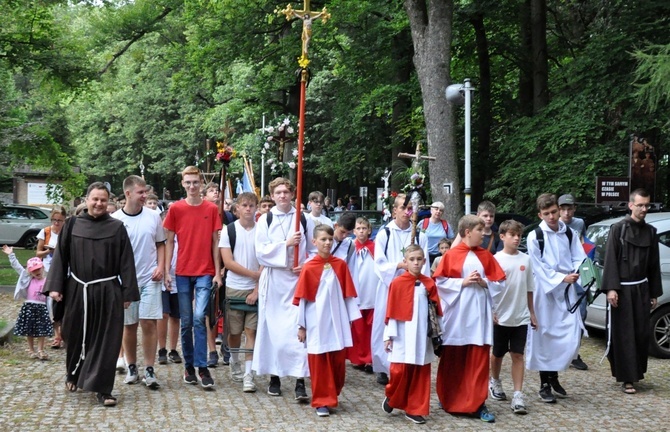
<point x="416" y="191"/>
<point x="307" y="17"/>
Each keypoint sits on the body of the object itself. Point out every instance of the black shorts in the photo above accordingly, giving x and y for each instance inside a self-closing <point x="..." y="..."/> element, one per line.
<point x="509" y="339"/>
<point x="170" y="304"/>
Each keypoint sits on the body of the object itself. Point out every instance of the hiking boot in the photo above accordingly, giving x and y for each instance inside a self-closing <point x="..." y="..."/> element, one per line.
<point x="162" y="356"/>
<point x="236" y="372"/>
<point x="206" y="380"/>
<point x="496" y="391"/>
<point x="300" y="392"/>
<point x="323" y="411"/>
<point x="174" y="357"/>
<point x="579" y="364"/>
<point x="382" y="378"/>
<point x="150" y="378"/>
<point x="415" y="419"/>
<point x="558" y="388"/>
<point x="388" y="409"/>
<point x="213" y="359"/>
<point x="249" y="386"/>
<point x="545" y="394"/>
<point x="274" y="389"/>
<point x="132" y="377"/>
<point x="518" y="404"/>
<point x="189" y="375"/>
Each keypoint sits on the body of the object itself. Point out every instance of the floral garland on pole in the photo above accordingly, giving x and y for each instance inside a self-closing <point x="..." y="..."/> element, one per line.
<point x="276" y="138"/>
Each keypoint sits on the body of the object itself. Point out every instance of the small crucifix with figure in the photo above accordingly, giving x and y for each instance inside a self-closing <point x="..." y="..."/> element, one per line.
<point x="416" y="191"/>
<point x="281" y="139"/>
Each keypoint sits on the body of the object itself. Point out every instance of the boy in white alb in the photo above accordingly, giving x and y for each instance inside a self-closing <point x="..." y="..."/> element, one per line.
<point x="366" y="281"/>
<point x="513" y="311"/>
<point x="390" y="246"/>
<point x="277" y="351"/>
<point x="326" y="298"/>
<point x="239" y="257"/>
<point x="406" y="340"/>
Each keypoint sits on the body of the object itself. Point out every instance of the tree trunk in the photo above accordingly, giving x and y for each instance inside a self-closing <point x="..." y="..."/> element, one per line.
<point x="481" y="172"/>
<point x="430" y="22"/>
<point x="525" y="61"/>
<point x="538" y="18"/>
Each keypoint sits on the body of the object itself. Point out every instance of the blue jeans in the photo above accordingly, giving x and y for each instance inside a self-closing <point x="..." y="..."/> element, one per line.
<point x="193" y="317"/>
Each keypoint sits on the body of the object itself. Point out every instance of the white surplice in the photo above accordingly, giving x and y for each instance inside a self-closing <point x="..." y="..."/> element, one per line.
<point x="411" y="344"/>
<point x="327" y="320"/>
<point x="365" y="278"/>
<point x="386" y="267"/>
<point x="277" y="350"/>
<point x="555" y="342"/>
<point x="467" y="311"/>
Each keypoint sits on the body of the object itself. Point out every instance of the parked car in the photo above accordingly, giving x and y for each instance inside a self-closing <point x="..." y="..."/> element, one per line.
<point x="660" y="317"/>
<point x="20" y="224"/>
<point x="375" y="217"/>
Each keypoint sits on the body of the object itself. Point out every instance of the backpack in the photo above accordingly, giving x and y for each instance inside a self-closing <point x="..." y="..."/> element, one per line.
<point x="425" y="222"/>
<point x="539" y="234"/>
<point x="388" y="237"/>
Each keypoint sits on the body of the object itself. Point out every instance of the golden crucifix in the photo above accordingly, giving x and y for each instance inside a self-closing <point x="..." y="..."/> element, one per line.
<point x="307" y="17"/>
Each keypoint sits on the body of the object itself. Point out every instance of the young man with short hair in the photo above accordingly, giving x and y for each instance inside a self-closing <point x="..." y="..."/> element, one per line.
<point x="196" y="223"/>
<point x="243" y="271"/>
<point x="555" y="258"/>
<point x="145" y="229"/>
<point x="316" y="199"/>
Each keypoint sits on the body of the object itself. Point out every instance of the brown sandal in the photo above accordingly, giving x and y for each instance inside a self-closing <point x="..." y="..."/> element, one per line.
<point x="57" y="343"/>
<point x="71" y="386"/>
<point x="628" y="388"/>
<point x="106" y="399"/>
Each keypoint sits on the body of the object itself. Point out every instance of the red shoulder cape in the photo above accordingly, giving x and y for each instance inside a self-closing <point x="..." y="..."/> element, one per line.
<point x="369" y="245"/>
<point x="400" y="304"/>
<point x="310" y="278"/>
<point x="451" y="264"/>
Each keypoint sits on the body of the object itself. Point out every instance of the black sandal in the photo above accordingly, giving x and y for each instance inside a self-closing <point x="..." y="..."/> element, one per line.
<point x="106" y="399"/>
<point x="71" y="386"/>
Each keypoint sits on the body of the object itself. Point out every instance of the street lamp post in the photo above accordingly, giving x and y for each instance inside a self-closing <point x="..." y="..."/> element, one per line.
<point x="459" y="94"/>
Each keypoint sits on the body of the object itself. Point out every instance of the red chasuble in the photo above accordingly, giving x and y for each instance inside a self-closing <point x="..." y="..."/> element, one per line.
<point x="401" y="296"/>
<point x="451" y="264"/>
<point x="310" y="278"/>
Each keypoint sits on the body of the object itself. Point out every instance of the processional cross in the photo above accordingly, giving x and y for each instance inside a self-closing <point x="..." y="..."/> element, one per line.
<point x="307" y="16"/>
<point x="281" y="139"/>
<point x="416" y="191"/>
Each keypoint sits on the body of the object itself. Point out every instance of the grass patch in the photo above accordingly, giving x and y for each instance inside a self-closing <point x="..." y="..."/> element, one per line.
<point x="7" y="274"/>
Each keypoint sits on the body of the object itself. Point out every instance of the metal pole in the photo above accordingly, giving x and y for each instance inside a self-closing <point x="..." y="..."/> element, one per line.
<point x="468" y="173"/>
<point x="263" y="164"/>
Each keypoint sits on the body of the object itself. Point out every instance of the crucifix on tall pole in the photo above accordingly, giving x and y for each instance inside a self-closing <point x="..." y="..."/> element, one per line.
<point x="417" y="191"/>
<point x="307" y="17"/>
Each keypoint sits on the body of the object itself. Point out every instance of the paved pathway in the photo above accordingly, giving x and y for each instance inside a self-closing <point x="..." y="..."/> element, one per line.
<point x="32" y="397"/>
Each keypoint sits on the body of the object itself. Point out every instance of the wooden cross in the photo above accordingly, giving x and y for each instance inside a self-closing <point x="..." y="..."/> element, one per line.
<point x="307" y="16"/>
<point x="417" y="156"/>
<point x="282" y="140"/>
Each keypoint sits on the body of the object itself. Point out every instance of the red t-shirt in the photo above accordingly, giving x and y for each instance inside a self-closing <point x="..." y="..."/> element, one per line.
<point x="194" y="226"/>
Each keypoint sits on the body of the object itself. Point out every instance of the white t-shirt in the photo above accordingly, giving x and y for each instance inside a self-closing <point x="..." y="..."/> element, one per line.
<point x="510" y="297"/>
<point x="244" y="254"/>
<point x="53" y="239"/>
<point x="145" y="229"/>
<point x="322" y="219"/>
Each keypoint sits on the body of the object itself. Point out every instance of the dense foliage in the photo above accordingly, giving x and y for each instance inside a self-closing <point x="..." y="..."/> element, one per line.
<point x="109" y="85"/>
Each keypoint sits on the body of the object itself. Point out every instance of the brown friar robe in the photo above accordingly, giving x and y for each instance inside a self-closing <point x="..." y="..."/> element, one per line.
<point x="631" y="255"/>
<point x="99" y="248"/>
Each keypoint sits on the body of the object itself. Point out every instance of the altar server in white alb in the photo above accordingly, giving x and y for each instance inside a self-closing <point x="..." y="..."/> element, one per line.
<point x="277" y="350"/>
<point x="390" y="246"/>
<point x="555" y="256"/>
<point x="326" y="298"/>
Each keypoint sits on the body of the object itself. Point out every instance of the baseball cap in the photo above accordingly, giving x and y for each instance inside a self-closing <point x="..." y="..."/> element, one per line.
<point x="34" y="263"/>
<point x="566" y="199"/>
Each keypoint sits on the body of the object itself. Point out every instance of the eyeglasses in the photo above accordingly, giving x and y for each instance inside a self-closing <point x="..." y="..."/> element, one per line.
<point x="58" y="220"/>
<point x="316" y="201"/>
<point x="642" y="206"/>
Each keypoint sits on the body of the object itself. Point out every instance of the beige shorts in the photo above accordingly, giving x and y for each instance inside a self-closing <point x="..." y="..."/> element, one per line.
<point x="239" y="320"/>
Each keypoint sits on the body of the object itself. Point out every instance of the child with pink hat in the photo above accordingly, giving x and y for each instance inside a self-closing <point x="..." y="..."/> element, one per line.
<point x="33" y="321"/>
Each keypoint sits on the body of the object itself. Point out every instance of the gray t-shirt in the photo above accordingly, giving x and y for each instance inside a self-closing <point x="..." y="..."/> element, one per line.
<point x="578" y="225"/>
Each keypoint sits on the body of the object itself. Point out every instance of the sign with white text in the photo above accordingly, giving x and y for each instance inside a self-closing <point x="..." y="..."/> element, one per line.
<point x="612" y="189"/>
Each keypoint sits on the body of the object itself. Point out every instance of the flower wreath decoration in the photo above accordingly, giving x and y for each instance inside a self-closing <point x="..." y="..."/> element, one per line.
<point x="276" y="137"/>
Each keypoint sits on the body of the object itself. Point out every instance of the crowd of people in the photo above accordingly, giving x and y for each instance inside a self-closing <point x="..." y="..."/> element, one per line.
<point x="301" y="297"/>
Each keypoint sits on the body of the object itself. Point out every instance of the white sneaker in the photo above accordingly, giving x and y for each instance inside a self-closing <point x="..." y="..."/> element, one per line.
<point x="236" y="372"/>
<point x="150" y="378"/>
<point x="132" y="377"/>
<point x="518" y="403"/>
<point x="249" y="385"/>
<point x="496" y="390"/>
<point x="120" y="365"/>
